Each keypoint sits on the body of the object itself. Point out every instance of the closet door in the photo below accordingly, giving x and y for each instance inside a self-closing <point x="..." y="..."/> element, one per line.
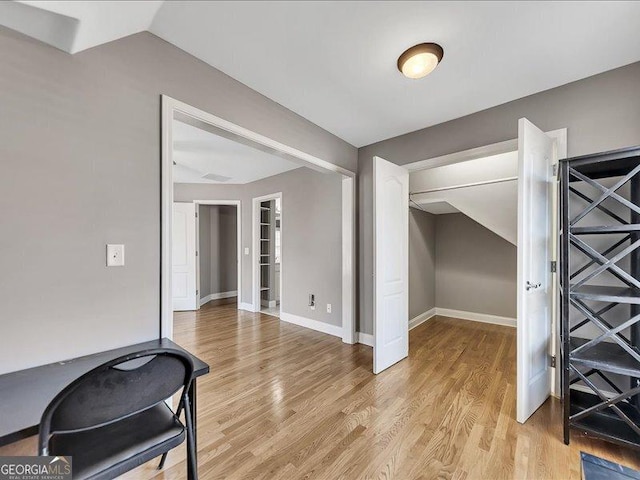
<point x="536" y="156"/>
<point x="391" y="264"/>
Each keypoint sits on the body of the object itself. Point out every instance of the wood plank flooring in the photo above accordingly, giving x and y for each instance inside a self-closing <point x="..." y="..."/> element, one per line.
<point x="284" y="402"/>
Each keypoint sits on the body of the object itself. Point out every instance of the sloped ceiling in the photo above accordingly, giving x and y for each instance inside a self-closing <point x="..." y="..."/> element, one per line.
<point x="334" y="63"/>
<point x="74" y="26"/>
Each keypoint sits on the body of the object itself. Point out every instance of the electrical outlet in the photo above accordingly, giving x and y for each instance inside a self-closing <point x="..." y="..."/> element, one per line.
<point x="115" y="255"/>
<point x="328" y="308"/>
<point x="312" y="301"/>
<point x="246" y="250"/>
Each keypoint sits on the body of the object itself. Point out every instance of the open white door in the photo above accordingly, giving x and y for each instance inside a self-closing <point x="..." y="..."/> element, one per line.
<point x="536" y="156"/>
<point x="183" y="245"/>
<point x="391" y="264"/>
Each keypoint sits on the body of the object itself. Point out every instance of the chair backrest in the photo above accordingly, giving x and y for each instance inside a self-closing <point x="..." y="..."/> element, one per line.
<point x="117" y="389"/>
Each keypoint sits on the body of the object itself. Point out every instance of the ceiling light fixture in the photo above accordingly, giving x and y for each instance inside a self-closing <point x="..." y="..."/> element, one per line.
<point x="420" y="60"/>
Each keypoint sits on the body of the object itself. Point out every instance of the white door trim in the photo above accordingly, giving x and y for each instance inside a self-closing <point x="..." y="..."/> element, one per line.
<point x="169" y="107"/>
<point x="348" y="266"/>
<point x="255" y="241"/>
<point x="560" y="137"/>
<point x="238" y="205"/>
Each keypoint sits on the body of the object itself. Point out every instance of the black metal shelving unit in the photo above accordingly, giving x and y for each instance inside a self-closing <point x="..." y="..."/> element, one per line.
<point x="600" y="291"/>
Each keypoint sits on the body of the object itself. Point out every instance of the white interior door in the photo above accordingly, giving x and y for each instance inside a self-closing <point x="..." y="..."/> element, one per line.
<point x="536" y="156"/>
<point x="391" y="264"/>
<point x="183" y="246"/>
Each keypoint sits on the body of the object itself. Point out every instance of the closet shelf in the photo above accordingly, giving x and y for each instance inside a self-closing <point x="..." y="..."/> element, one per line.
<point x="604" y="356"/>
<point x="611" y="229"/>
<point x="606" y="423"/>
<point x="606" y="294"/>
<point x="264" y="289"/>
<point x="264" y="264"/>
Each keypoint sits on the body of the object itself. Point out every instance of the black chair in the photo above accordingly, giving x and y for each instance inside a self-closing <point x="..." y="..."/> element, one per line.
<point x="114" y="418"/>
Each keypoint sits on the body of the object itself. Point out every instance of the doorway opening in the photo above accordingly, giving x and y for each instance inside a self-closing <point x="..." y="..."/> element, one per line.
<point x="267" y="218"/>
<point x="206" y="255"/>
<point x="463" y="241"/>
<point x="207" y="162"/>
<point x="517" y="203"/>
<point x="219" y="233"/>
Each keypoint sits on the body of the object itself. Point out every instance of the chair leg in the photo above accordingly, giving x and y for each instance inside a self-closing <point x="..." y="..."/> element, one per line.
<point x="162" y="460"/>
<point x="164" y="455"/>
<point x="191" y="453"/>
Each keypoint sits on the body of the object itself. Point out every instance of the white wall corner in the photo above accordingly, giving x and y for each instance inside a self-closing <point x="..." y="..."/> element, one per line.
<point x="423" y="317"/>
<point x="476" y="317"/>
<point x="365" y="338"/>
<point x="316" y="325"/>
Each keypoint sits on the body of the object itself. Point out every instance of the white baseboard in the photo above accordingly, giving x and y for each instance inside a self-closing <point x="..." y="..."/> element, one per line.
<point x="364" y="338"/>
<point x="367" y="339"/>
<point x="246" y="306"/>
<point x="423" y="317"/>
<point x="218" y="296"/>
<point x="476" y="317"/>
<point x="334" y="330"/>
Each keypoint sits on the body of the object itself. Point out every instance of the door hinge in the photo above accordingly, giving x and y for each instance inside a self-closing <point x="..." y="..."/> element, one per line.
<point x="552" y="361"/>
<point x="555" y="169"/>
<point x="554" y="266"/>
<point x="197" y="292"/>
<point x="196" y="214"/>
<point x="196" y="253"/>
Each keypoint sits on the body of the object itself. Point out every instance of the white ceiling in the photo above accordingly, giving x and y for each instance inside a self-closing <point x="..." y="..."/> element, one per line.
<point x="334" y="63"/>
<point x="198" y="153"/>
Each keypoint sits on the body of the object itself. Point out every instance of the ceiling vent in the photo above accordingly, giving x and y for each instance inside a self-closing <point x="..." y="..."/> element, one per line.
<point x="216" y="178"/>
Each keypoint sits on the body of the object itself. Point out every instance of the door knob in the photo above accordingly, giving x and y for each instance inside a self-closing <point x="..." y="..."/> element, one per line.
<point x="533" y="286"/>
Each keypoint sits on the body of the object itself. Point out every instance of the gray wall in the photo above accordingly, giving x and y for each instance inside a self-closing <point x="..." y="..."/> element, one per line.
<point x="218" y="249"/>
<point x="456" y="263"/>
<point x="80" y="150"/>
<point x="475" y="268"/>
<point x="422" y="262"/>
<point x="311" y="236"/>
<point x="600" y="112"/>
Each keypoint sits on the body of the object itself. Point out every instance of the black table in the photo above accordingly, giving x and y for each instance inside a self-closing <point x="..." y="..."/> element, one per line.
<point x="26" y="393"/>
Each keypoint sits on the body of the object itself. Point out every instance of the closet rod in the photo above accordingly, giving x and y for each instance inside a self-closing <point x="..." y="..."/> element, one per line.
<point x="474" y="184"/>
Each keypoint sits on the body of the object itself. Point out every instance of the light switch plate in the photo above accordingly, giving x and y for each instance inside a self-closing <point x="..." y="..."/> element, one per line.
<point x="328" y="308"/>
<point x="115" y="255"/>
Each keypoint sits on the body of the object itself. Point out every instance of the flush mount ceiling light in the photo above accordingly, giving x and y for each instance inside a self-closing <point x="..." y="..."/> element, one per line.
<point x="420" y="60"/>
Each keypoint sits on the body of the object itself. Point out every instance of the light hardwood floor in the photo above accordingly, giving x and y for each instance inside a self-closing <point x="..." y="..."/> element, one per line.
<point x="284" y="402"/>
